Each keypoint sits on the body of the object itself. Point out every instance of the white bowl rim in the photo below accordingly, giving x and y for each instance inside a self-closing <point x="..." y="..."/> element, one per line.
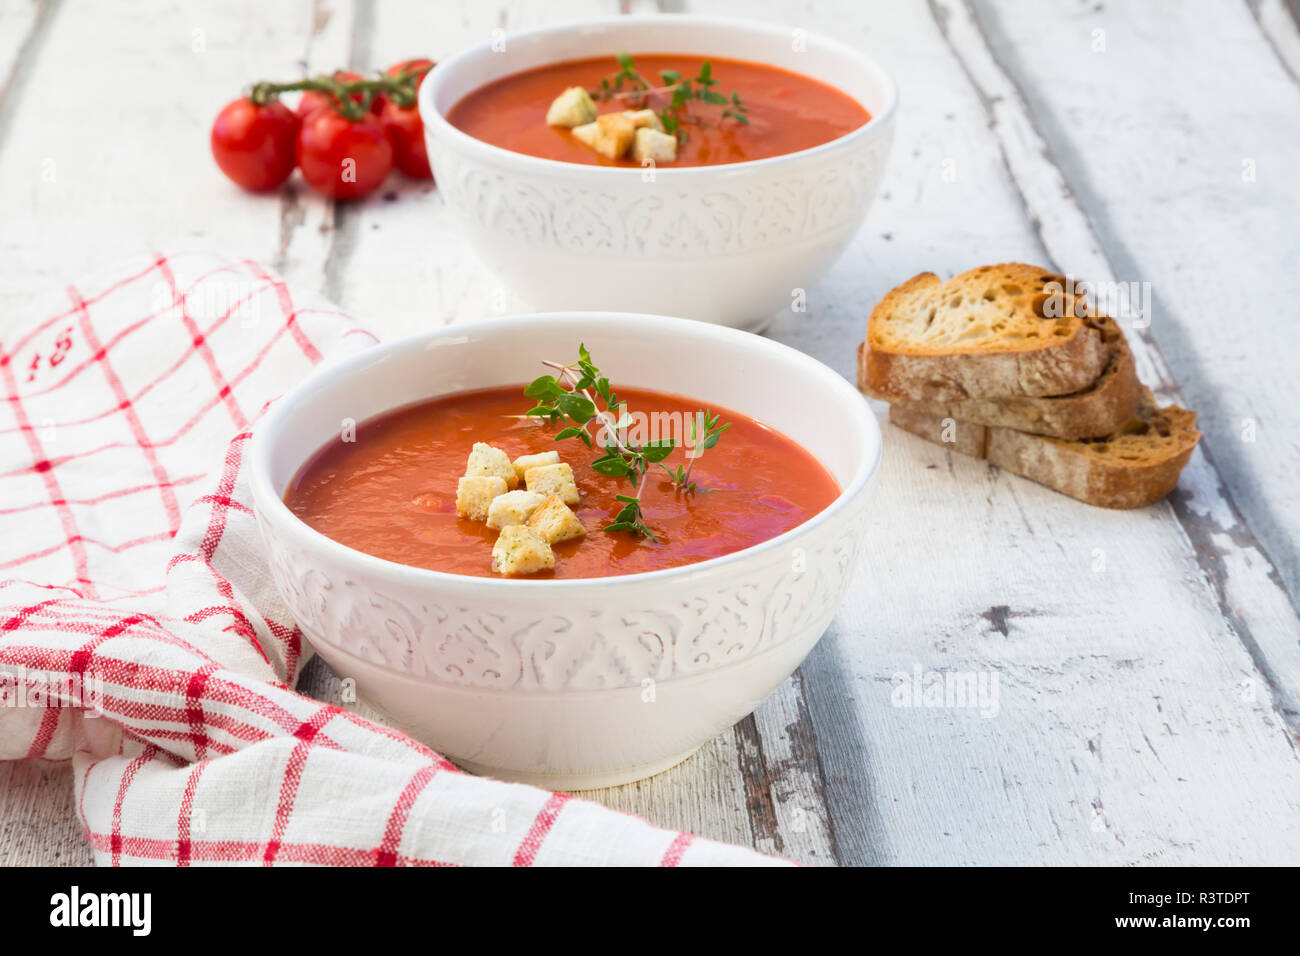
<point x="433" y="119"/>
<point x="328" y="375"/>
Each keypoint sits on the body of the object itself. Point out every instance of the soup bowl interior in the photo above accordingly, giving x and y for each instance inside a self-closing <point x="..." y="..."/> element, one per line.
<point x="546" y="680"/>
<point x="723" y="243"/>
<point x="785" y="47"/>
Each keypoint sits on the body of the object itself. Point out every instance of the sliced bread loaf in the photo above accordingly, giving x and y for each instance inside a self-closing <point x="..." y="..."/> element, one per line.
<point x="1136" y="465"/>
<point x="993" y="332"/>
<point x="1097" y="410"/>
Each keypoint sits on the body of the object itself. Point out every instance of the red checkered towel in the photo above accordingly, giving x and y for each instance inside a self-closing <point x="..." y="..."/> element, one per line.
<point x="140" y="634"/>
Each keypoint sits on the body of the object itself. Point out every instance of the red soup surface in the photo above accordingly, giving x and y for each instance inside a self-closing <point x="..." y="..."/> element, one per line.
<point x="392" y="491"/>
<point x="787" y="111"/>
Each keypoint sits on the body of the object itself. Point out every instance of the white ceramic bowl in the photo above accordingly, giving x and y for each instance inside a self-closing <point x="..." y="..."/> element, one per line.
<point x="728" y="244"/>
<point x="571" y="683"/>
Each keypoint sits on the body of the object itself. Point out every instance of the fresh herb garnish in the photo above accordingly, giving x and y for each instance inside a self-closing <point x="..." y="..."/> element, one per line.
<point x="711" y="426"/>
<point x="628" y="84"/>
<point x="577" y="397"/>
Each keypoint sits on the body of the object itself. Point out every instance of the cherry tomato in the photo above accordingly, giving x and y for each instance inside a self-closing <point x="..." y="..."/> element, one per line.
<point x="312" y="101"/>
<point x="397" y="69"/>
<point x="341" y="158"/>
<point x="406" y="133"/>
<point x="403" y="126"/>
<point x="255" y="145"/>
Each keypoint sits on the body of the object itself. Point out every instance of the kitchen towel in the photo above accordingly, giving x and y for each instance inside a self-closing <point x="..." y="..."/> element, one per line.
<point x="141" y="636"/>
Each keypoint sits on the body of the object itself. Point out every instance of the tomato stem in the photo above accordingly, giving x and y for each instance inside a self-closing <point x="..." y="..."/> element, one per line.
<point x="400" y="89"/>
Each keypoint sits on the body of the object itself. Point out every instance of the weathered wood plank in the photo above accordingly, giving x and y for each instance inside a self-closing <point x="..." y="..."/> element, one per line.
<point x="39" y="825"/>
<point x="23" y="26"/>
<point x="91" y="170"/>
<point x="786" y="790"/>
<point x="1205" y="212"/>
<point x="1254" y="585"/>
<point x="1119" y="681"/>
<point x="1280" y="24"/>
<point x="314" y="231"/>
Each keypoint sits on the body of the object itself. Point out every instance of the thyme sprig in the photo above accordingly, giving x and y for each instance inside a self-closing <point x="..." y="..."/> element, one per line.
<point x="628" y="84"/>
<point x="712" y="427"/>
<point x="352" y="98"/>
<point x="582" y="397"/>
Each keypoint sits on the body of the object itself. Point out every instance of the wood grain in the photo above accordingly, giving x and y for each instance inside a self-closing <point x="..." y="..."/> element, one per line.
<point x="39" y="825"/>
<point x="1278" y="21"/>
<point x="1254" y="591"/>
<point x="1217" y="254"/>
<point x="23" y="26"/>
<point x="1091" y="662"/>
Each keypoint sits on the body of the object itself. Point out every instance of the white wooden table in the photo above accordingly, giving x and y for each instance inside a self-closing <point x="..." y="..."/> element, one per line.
<point x="1147" y="664"/>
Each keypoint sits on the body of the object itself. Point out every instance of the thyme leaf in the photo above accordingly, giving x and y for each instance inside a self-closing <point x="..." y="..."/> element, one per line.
<point x="581" y="397"/>
<point x="628" y="84"/>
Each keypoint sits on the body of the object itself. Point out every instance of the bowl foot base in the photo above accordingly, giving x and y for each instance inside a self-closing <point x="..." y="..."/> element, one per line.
<point x="593" y="780"/>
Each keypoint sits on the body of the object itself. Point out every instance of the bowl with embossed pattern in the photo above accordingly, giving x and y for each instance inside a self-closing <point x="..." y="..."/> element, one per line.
<point x="732" y="243"/>
<point x="581" y="682"/>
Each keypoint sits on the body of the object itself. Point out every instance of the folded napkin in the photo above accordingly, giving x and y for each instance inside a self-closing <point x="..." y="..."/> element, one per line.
<point x="140" y="634"/>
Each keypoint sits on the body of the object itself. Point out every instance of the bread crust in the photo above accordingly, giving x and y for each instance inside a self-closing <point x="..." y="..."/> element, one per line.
<point x="1135" y="466"/>
<point x="1067" y="355"/>
<point x="1103" y="406"/>
<point x="965" y="437"/>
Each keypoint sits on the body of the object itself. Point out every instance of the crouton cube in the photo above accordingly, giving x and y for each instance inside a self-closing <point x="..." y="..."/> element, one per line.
<point x="524" y="462"/>
<point x="487" y="461"/>
<point x="645" y="118"/>
<point x="475" y="493"/>
<point x="572" y="108"/>
<point x="611" y="135"/>
<point x="555" y="522"/>
<point x="653" y="146"/>
<point x="513" y="507"/>
<point x="553" y="480"/>
<point x="521" y="550"/>
<point x="586" y="134"/>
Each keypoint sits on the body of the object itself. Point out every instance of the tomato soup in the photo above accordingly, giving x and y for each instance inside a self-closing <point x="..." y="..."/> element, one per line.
<point x="392" y="491"/>
<point x="787" y="111"/>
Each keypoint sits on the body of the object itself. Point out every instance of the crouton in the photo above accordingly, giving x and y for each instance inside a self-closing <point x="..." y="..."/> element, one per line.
<point x="475" y="493"/>
<point x="554" y="521"/>
<point x="524" y="462"/>
<point x="521" y="550"/>
<point x="487" y="461"/>
<point x="586" y="134"/>
<point x="513" y="507"/>
<point x="645" y="118"/>
<point x="572" y="108"/>
<point x="653" y="146"/>
<point x="611" y="135"/>
<point x="553" y="480"/>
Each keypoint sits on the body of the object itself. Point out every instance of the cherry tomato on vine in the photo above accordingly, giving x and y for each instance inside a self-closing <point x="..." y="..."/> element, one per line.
<point x="397" y="69"/>
<point x="403" y="126"/>
<point x="343" y="158"/>
<point x="405" y="132"/>
<point x="255" y="145"/>
<point x="312" y="100"/>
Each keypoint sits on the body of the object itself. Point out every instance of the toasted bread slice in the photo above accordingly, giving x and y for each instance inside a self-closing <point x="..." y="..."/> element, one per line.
<point x="1097" y="410"/>
<point x="1136" y="465"/>
<point x="993" y="332"/>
